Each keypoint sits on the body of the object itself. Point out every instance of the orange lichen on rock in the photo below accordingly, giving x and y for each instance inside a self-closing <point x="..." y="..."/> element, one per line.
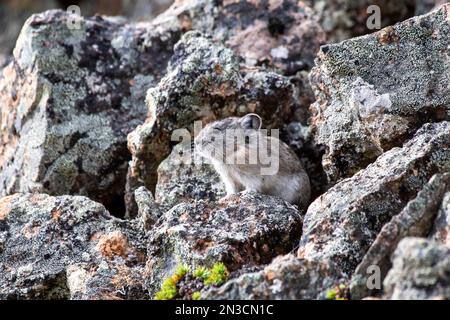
<point x="113" y="244"/>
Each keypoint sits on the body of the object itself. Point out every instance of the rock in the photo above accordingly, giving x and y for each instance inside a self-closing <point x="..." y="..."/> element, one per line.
<point x="420" y="270"/>
<point x="12" y="17"/>
<point x="67" y="247"/>
<point x="441" y="228"/>
<point x="242" y="230"/>
<point x="69" y="99"/>
<point x="342" y="223"/>
<point x="415" y="220"/>
<point x="286" y="278"/>
<point x="281" y="34"/>
<point x="204" y="82"/>
<point x="148" y="210"/>
<point x="375" y="91"/>
<point x="343" y="19"/>
<point x="180" y="179"/>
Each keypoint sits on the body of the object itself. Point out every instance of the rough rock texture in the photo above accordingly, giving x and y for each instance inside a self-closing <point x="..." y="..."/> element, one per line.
<point x="342" y="223"/>
<point x="441" y="228"/>
<point x="69" y="99"/>
<point x="286" y="278"/>
<point x="67" y="247"/>
<point x="281" y="34"/>
<point x="343" y="19"/>
<point x="415" y="220"/>
<point x="420" y="270"/>
<point x="13" y="14"/>
<point x="373" y="92"/>
<point x="180" y="180"/>
<point x="242" y="230"/>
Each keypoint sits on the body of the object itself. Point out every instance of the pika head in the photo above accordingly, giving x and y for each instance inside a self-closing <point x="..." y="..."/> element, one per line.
<point x="224" y="140"/>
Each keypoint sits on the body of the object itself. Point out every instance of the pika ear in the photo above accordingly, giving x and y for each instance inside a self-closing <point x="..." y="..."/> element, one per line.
<point x="251" y="121"/>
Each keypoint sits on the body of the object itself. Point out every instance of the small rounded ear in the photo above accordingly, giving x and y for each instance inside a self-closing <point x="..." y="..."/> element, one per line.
<point x="251" y="121"/>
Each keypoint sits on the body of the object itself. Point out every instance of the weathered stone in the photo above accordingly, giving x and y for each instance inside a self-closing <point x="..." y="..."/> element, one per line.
<point x="286" y="278"/>
<point x="281" y="34"/>
<point x="69" y="99"/>
<point x="375" y="91"/>
<point x="180" y="179"/>
<point x="420" y="270"/>
<point x="441" y="228"/>
<point x="44" y="238"/>
<point x="241" y="230"/>
<point x="342" y="19"/>
<point x="342" y="223"/>
<point x="415" y="220"/>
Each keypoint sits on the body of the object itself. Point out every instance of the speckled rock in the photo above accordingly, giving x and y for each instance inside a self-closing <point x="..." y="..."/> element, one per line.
<point x="373" y="92"/>
<point x="180" y="179"/>
<point x="241" y="230"/>
<point x="441" y="227"/>
<point x="342" y="223"/>
<point x="281" y="34"/>
<point x="67" y="247"/>
<point x="420" y="270"/>
<point x="69" y="99"/>
<point x="343" y="19"/>
<point x="415" y="220"/>
<point x="286" y="278"/>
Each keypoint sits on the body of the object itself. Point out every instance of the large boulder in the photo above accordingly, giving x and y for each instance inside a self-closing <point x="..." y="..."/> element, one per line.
<point x="69" y="99"/>
<point x="249" y="229"/>
<point x="68" y="247"/>
<point x="375" y="91"/>
<point x="342" y="223"/>
<point x="420" y="270"/>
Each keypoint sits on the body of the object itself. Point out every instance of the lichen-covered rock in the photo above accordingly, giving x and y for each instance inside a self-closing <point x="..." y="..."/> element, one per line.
<point x="342" y="223"/>
<point x="69" y="99"/>
<point x="43" y="239"/>
<point x="286" y="278"/>
<point x="343" y="19"/>
<point x="415" y="220"/>
<point x="373" y="92"/>
<point x="420" y="270"/>
<point x="241" y="230"/>
<point x="180" y="179"/>
<point x="441" y="227"/>
<point x="281" y="34"/>
<point x="12" y="16"/>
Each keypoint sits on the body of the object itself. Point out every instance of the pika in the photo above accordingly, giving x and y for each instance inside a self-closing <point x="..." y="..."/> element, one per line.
<point x="242" y="164"/>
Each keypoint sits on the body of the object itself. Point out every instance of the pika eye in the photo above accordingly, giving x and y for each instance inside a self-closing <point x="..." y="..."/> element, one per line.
<point x="217" y="128"/>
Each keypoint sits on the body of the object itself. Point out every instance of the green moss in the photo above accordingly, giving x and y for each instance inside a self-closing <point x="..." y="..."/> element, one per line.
<point x="201" y="273"/>
<point x="168" y="290"/>
<point x="218" y="275"/>
<point x="331" y="294"/>
<point x="182" y="270"/>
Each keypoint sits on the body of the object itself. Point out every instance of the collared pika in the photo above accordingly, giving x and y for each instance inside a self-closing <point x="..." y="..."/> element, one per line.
<point x="244" y="164"/>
